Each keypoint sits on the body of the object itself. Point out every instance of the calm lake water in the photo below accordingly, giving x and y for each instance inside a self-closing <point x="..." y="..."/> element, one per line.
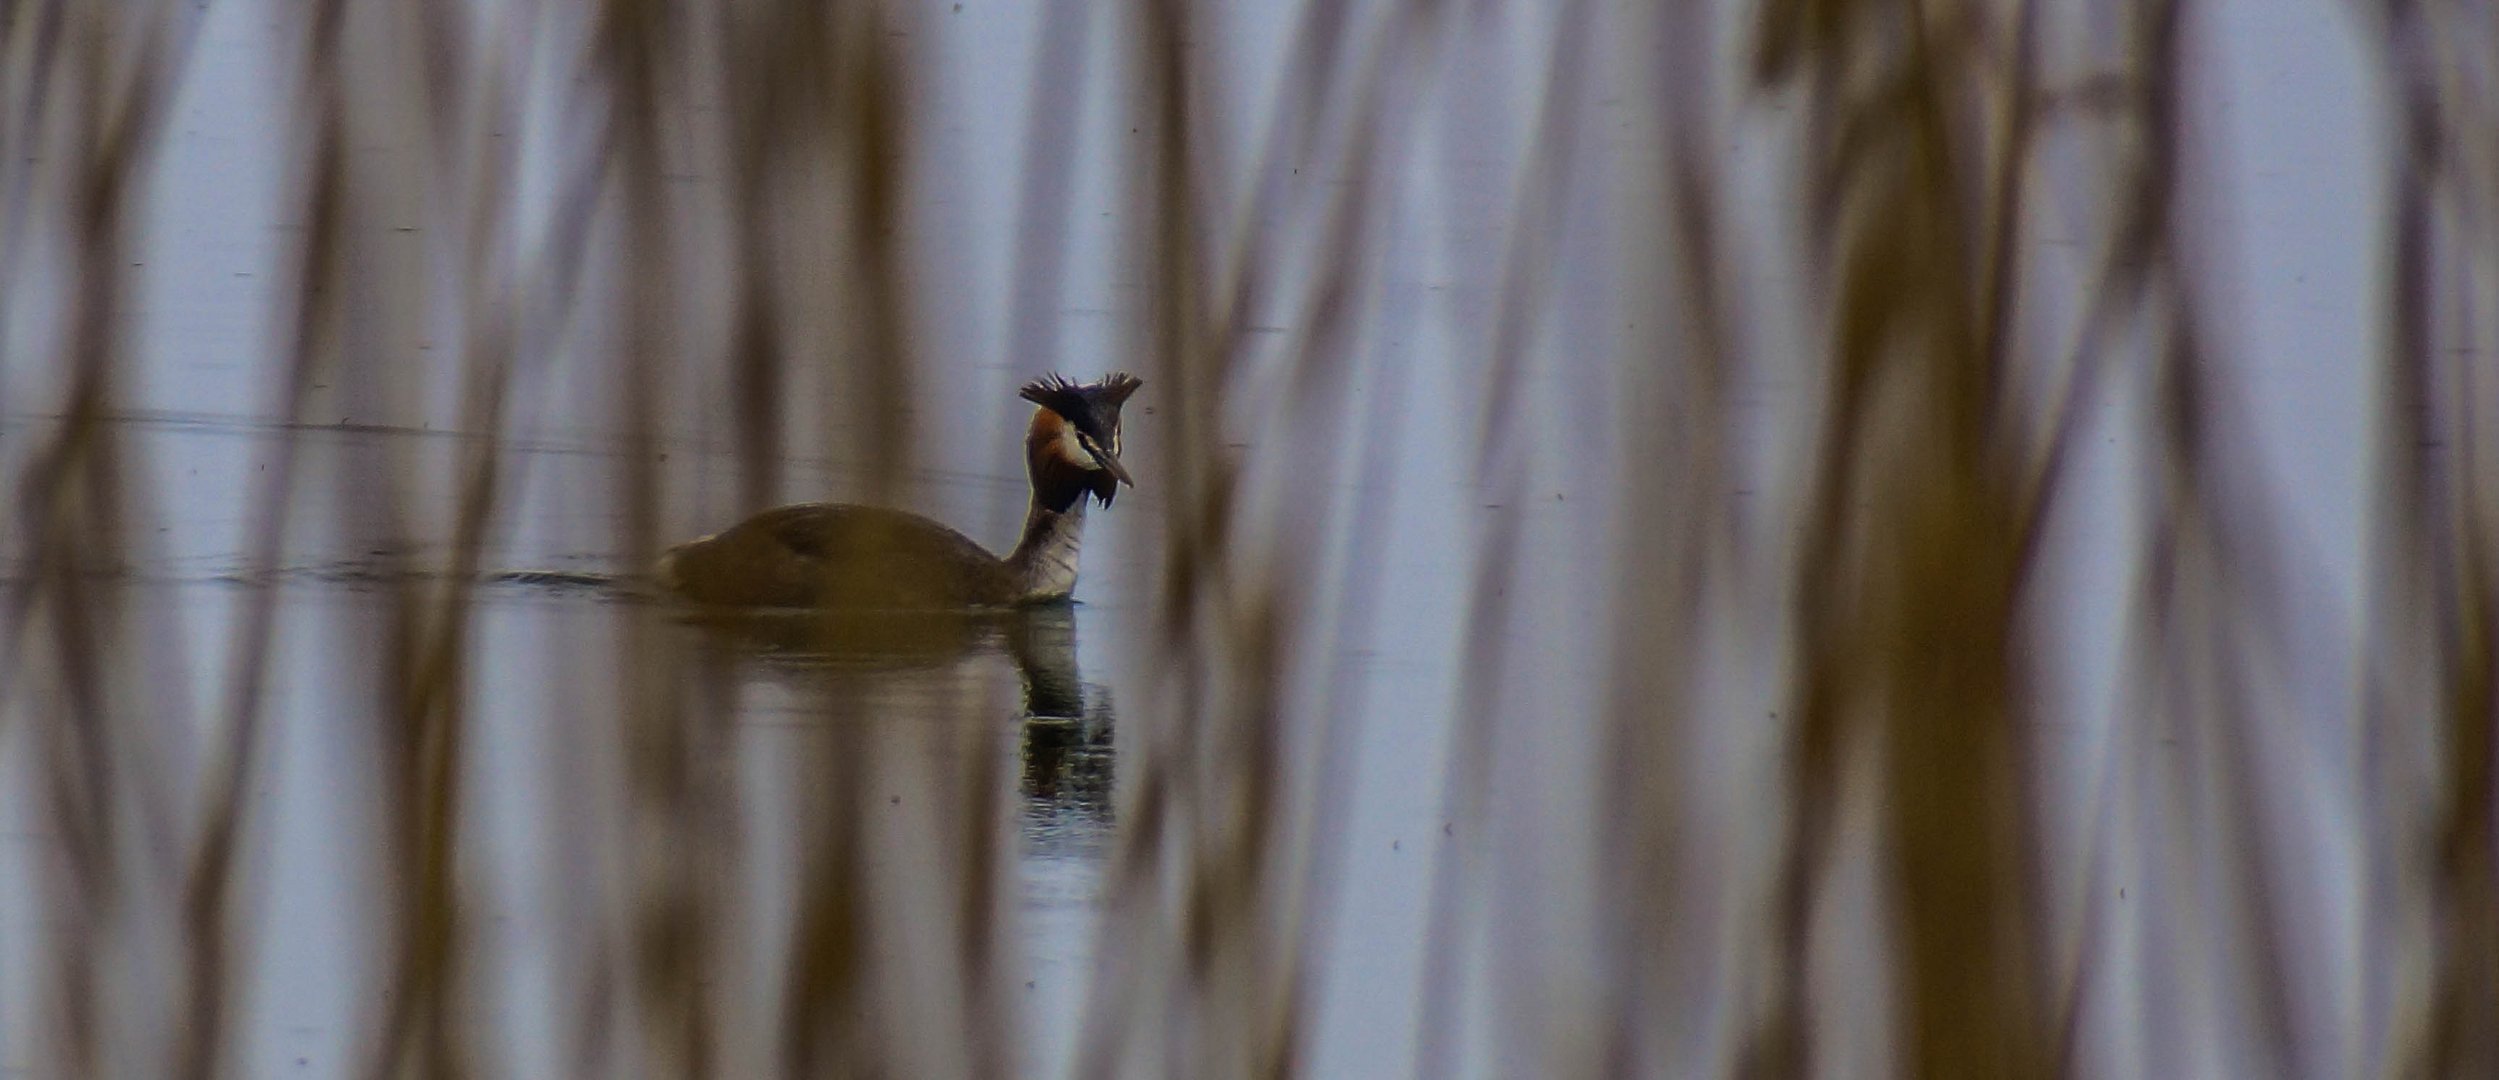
<point x="1046" y="719"/>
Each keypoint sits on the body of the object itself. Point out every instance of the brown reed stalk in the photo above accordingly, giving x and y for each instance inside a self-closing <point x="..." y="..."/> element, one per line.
<point x="1907" y="622"/>
<point x="2435" y="551"/>
<point x="103" y="786"/>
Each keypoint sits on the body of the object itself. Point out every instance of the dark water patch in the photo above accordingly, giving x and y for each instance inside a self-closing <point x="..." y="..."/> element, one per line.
<point x="569" y="581"/>
<point x="381" y="570"/>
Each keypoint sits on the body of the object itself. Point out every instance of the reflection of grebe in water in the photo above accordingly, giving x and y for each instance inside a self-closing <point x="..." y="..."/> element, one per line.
<point x="1066" y="726"/>
<point x="827" y="555"/>
<point x="1067" y="729"/>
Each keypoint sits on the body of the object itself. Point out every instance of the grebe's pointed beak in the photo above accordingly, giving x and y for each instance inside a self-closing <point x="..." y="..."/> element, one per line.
<point x="1109" y="462"/>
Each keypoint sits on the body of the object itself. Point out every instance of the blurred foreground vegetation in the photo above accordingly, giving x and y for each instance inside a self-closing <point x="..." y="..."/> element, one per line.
<point x="1956" y="242"/>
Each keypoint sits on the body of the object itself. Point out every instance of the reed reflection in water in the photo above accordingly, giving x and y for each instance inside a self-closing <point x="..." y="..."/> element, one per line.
<point x="1800" y="537"/>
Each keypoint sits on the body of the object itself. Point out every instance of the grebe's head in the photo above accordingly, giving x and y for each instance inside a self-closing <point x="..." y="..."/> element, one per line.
<point x="1075" y="434"/>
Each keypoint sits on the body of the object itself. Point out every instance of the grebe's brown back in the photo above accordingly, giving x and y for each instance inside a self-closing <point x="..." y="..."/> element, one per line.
<point x="819" y="555"/>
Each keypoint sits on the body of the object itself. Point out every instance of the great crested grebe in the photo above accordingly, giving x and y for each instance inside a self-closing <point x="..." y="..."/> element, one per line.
<point x="828" y="555"/>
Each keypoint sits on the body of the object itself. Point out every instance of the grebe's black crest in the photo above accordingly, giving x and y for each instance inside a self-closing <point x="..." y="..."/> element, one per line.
<point x="1092" y="407"/>
<point x="1092" y="410"/>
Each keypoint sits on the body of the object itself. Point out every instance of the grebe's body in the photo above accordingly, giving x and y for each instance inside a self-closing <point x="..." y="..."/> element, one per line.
<point x="828" y="555"/>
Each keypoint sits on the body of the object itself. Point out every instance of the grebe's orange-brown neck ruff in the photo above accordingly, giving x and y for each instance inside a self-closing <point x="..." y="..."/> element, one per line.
<point x="819" y="555"/>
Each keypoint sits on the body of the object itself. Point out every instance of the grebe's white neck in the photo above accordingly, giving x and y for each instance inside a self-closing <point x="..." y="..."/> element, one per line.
<point x="1044" y="560"/>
